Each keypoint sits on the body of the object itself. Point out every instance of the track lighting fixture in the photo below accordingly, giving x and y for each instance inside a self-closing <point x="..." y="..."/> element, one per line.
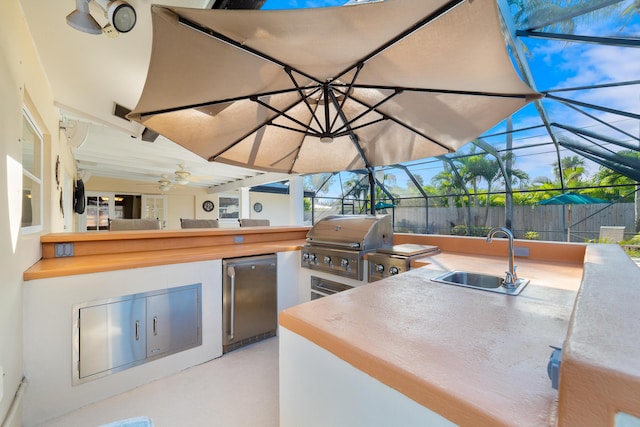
<point x="81" y="19"/>
<point x="121" y="16"/>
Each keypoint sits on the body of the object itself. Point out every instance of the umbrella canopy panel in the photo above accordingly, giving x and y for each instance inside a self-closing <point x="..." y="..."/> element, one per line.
<point x="330" y="89"/>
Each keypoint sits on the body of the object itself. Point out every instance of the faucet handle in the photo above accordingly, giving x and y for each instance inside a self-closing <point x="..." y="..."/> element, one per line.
<point x="508" y="278"/>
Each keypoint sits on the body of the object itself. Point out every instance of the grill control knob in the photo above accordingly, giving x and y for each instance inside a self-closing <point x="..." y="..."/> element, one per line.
<point x="394" y="270"/>
<point x="379" y="268"/>
<point x="312" y="258"/>
<point x="327" y="259"/>
<point x="305" y="256"/>
<point x="344" y="263"/>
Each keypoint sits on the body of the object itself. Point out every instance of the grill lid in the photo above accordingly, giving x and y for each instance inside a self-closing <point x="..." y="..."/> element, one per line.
<point x="358" y="232"/>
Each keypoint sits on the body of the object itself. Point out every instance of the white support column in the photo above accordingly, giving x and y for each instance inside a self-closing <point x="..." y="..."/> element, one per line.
<point x="245" y="203"/>
<point x="296" y="200"/>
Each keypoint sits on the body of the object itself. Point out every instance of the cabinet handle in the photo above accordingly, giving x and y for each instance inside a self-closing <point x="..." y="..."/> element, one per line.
<point x="137" y="330"/>
<point x="155" y="325"/>
<point x="232" y="274"/>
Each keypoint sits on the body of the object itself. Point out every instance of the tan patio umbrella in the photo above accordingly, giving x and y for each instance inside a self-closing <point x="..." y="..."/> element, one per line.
<point x="330" y="89"/>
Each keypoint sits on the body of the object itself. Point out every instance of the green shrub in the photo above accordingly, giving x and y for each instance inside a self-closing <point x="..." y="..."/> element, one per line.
<point x="532" y="235"/>
<point x="461" y="230"/>
<point x="633" y="252"/>
<point x="635" y="240"/>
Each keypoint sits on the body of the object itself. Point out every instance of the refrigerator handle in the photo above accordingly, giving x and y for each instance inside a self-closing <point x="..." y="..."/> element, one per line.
<point x="231" y="271"/>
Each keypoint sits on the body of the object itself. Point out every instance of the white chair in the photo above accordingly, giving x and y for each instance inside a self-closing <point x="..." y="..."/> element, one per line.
<point x="134" y="224"/>
<point x="199" y="223"/>
<point x="253" y="222"/>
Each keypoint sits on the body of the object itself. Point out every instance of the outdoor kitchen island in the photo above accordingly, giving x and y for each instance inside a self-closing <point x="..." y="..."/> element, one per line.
<point x="388" y="351"/>
<point x="411" y="352"/>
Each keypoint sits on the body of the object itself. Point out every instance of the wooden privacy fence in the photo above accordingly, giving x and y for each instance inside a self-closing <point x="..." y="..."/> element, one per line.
<point x="548" y="221"/>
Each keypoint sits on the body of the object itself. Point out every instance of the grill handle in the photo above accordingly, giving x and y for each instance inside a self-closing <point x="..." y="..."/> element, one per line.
<point x="349" y="245"/>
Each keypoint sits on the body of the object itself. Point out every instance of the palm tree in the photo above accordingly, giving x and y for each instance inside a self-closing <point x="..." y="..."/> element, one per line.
<point x="478" y="167"/>
<point x="471" y="168"/>
<point x="357" y="189"/>
<point x="319" y="182"/>
<point x="573" y="170"/>
<point x="607" y="177"/>
<point x="447" y="184"/>
<point x="492" y="174"/>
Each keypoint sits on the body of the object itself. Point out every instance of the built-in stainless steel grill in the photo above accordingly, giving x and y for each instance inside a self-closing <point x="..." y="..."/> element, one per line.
<point x="386" y="262"/>
<point x="337" y="244"/>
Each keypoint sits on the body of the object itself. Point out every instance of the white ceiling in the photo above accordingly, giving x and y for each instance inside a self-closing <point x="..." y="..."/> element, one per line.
<point x="88" y="74"/>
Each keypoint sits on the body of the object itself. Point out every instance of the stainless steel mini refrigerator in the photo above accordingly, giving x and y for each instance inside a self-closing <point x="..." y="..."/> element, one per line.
<point x="249" y="300"/>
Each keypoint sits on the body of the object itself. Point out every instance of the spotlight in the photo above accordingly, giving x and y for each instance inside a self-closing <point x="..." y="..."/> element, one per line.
<point x="81" y="19"/>
<point x="121" y="15"/>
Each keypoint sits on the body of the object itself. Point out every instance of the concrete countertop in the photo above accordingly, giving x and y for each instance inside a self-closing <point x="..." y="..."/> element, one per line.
<point x="476" y="357"/>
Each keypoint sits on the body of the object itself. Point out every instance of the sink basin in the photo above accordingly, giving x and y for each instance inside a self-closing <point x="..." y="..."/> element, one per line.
<point x="485" y="282"/>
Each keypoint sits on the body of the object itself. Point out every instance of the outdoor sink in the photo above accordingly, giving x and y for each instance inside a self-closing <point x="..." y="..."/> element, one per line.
<point x="485" y="282"/>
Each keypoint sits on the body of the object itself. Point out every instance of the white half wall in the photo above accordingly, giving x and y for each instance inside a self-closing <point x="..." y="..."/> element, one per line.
<point x="48" y="330"/>
<point x="318" y="389"/>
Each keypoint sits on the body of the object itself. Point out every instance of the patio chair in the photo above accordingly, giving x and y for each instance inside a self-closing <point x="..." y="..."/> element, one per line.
<point x="199" y="223"/>
<point x="611" y="234"/>
<point x="134" y="224"/>
<point x="245" y="222"/>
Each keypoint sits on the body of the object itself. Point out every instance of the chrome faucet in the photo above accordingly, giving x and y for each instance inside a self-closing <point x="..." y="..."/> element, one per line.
<point x="511" y="278"/>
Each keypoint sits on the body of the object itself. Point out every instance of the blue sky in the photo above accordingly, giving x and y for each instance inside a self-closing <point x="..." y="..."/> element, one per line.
<point x="557" y="64"/>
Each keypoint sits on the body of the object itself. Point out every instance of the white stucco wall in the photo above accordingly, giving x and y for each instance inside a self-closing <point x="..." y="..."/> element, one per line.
<point x="275" y="207"/>
<point x="48" y="328"/>
<point x="318" y="389"/>
<point x="22" y="82"/>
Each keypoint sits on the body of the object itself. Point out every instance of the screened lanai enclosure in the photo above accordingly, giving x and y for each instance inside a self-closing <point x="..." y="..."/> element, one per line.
<point x="582" y="137"/>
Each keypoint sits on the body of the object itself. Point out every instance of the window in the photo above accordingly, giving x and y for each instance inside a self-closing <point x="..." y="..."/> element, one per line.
<point x="229" y="207"/>
<point x="31" y="175"/>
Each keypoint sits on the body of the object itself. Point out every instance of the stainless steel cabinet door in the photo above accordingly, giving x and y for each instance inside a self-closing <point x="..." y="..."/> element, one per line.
<point x="113" y="335"/>
<point x="172" y="322"/>
<point x="249" y="300"/>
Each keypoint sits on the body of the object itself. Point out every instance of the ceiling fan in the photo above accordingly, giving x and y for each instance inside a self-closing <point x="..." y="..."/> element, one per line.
<point x="164" y="183"/>
<point x="180" y="177"/>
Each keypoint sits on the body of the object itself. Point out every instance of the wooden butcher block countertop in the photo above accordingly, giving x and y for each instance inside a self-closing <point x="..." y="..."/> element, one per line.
<point x="118" y="250"/>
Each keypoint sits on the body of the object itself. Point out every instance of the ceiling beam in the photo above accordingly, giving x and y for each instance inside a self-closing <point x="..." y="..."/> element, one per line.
<point x="264" y="178"/>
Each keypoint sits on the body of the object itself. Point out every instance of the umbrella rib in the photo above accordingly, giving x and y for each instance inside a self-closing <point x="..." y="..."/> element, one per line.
<point x="446" y="91"/>
<point x="255" y="129"/>
<point x="327" y="120"/>
<point x="225" y="39"/>
<point x="415" y="27"/>
<point x="372" y="122"/>
<point x="277" y="125"/>
<point x="404" y="125"/>
<point x="305" y="97"/>
<point x="352" y="136"/>
<point x="284" y="114"/>
<point x="211" y="103"/>
<point x="347" y="92"/>
<point x="368" y="110"/>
